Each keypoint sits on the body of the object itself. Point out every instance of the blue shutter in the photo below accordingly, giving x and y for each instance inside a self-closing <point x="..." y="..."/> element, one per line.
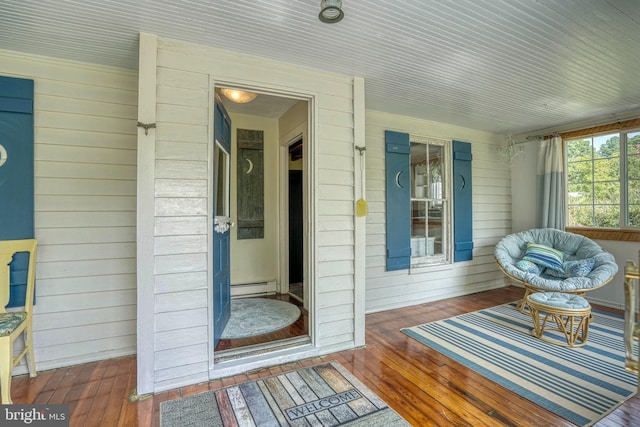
<point x="462" y="203"/>
<point x="16" y="175"/>
<point x="398" y="201"/>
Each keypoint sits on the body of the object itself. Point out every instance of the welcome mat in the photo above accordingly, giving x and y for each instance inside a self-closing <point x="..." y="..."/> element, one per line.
<point x="579" y="384"/>
<point x="257" y="316"/>
<point x="322" y="395"/>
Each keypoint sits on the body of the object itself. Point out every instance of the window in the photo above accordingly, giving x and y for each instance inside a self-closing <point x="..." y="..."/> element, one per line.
<point x="429" y="200"/>
<point x="603" y="180"/>
<point x="428" y="216"/>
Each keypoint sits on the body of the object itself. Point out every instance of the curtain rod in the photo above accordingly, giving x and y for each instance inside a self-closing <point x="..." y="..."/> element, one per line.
<point x="592" y="130"/>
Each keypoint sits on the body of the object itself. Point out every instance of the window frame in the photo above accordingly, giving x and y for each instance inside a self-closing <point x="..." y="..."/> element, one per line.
<point x="445" y="256"/>
<point x="625" y="232"/>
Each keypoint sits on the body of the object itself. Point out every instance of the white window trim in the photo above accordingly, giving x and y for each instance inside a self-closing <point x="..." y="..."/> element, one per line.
<point x="624" y="180"/>
<point x="446" y="257"/>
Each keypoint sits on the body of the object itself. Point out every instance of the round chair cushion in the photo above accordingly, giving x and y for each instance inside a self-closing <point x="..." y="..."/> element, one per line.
<point x="560" y="300"/>
<point x="574" y="247"/>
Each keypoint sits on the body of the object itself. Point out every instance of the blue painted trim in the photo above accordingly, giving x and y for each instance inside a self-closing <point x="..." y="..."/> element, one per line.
<point x="17" y="175"/>
<point x="397" y="200"/>
<point x="221" y="241"/>
<point x="462" y="202"/>
<point x="12" y="87"/>
<point x="16" y="105"/>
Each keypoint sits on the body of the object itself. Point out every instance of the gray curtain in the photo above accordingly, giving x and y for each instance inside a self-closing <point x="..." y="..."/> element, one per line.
<point x="550" y="184"/>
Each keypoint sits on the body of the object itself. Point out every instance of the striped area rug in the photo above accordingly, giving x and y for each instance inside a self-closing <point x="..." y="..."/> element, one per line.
<point x="579" y="384"/>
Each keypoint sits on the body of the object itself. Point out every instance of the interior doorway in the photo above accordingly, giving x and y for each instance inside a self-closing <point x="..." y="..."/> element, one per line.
<point x="267" y="241"/>
<point x="296" y="225"/>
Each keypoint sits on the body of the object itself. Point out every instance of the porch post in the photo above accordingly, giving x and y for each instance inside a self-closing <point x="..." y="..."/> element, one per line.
<point x="145" y="211"/>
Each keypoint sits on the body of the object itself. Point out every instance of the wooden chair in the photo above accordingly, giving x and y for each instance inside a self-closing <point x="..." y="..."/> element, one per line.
<point x="15" y="323"/>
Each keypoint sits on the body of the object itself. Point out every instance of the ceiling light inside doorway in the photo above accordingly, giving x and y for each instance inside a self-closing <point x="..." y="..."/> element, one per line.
<point x="239" y="96"/>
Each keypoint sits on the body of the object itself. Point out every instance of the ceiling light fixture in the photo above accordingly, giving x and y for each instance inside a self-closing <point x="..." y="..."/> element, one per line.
<point x="239" y="96"/>
<point x="331" y="11"/>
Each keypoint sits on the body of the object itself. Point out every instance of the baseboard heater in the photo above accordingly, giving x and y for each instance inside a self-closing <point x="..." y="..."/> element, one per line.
<point x="243" y="290"/>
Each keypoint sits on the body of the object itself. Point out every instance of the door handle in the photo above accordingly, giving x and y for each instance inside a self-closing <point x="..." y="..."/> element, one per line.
<point x="222" y="224"/>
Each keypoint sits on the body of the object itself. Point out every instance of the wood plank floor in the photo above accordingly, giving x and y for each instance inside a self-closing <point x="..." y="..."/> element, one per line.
<point x="425" y="387"/>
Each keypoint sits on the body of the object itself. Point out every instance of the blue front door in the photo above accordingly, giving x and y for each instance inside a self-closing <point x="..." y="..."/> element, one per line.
<point x="16" y="175"/>
<point x="221" y="218"/>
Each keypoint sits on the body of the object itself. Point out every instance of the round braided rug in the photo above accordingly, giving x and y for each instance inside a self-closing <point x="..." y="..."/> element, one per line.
<point x="257" y="316"/>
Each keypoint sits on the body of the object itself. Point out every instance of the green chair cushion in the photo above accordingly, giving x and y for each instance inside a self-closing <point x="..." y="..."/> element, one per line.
<point x="10" y="321"/>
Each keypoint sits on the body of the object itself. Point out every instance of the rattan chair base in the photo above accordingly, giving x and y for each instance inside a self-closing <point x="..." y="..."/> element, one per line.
<point x="573" y="323"/>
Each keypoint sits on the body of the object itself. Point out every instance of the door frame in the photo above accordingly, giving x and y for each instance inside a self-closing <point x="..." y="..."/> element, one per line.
<point x="297" y="134"/>
<point x="308" y="131"/>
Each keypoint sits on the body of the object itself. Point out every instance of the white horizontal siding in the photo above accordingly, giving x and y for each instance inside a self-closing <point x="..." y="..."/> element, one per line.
<point x="90" y="316"/>
<point x="70" y="285"/>
<point x="181" y="203"/>
<point x="167" y="226"/>
<point x="85" y="157"/>
<point x="335" y="226"/>
<point x="178" y="320"/>
<point x="179" y="282"/>
<point x="180" y="243"/>
<point x="491" y="219"/>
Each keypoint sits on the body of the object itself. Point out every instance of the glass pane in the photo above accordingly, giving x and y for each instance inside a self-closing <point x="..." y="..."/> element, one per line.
<point x="436" y="172"/>
<point x="435" y="231"/>
<point x="633" y="155"/>
<point x="634" y="191"/>
<point x="634" y="215"/>
<point x="607" y="216"/>
<point x="633" y="166"/>
<point x="221" y="177"/>
<point x="633" y="142"/>
<point x="606" y="192"/>
<point x="419" y="171"/>
<point x="580" y="194"/>
<point x="579" y="150"/>
<point x="418" y="228"/>
<point x="580" y="216"/>
<point x="607" y="169"/>
<point x="606" y="146"/>
<point x="580" y="171"/>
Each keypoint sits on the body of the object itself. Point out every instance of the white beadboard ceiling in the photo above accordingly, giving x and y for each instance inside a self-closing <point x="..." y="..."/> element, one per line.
<point x="494" y="65"/>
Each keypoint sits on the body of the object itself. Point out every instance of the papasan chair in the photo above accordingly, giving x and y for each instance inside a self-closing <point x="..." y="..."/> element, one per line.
<point x="551" y="260"/>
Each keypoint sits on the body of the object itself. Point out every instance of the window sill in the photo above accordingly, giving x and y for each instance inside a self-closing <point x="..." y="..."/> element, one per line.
<point x="607" y="234"/>
<point x="426" y="264"/>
